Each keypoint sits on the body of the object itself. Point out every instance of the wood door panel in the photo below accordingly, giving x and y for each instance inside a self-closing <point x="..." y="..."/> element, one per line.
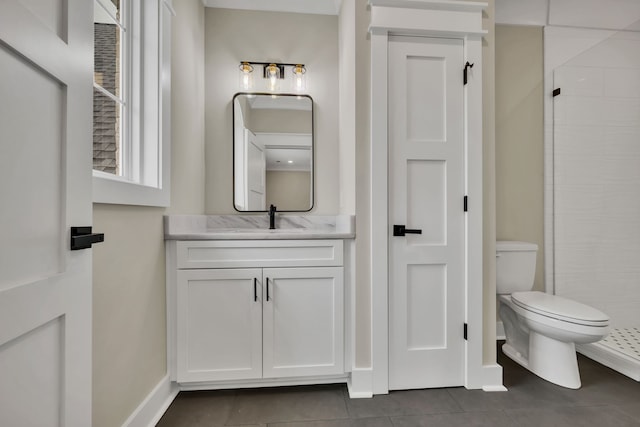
<point x="31" y="134"/>
<point x="45" y="181"/>
<point x="426" y="190"/>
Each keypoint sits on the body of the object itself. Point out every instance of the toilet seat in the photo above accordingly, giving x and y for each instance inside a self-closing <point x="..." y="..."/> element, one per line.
<point x="559" y="308"/>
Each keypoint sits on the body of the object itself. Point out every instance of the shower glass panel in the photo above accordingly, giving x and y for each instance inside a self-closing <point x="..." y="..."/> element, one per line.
<point x="596" y="190"/>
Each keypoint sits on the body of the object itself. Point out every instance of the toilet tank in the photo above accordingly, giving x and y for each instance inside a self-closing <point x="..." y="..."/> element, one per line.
<point x="515" y="266"/>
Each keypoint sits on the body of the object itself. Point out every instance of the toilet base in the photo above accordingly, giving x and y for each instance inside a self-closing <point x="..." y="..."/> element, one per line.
<point x="550" y="359"/>
<point x="554" y="360"/>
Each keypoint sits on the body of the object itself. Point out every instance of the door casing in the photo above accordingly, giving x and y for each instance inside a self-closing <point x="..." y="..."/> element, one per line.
<point x="449" y="20"/>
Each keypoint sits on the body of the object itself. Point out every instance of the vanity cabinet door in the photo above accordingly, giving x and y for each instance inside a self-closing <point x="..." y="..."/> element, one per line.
<point x="303" y="317"/>
<point x="219" y="324"/>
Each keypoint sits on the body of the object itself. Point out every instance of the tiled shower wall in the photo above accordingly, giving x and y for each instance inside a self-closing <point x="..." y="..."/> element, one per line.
<point x="593" y="170"/>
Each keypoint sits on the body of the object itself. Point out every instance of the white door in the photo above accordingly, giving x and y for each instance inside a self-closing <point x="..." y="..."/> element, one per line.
<point x="303" y="322"/>
<point x="46" y="59"/>
<point x="256" y="170"/>
<point x="426" y="173"/>
<point x="219" y="335"/>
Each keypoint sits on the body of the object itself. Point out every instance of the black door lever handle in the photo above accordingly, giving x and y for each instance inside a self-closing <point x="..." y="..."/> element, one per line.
<point x="401" y="230"/>
<point x="82" y="238"/>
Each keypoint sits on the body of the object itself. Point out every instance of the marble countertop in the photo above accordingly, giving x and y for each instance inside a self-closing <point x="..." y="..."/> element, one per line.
<point x="256" y="227"/>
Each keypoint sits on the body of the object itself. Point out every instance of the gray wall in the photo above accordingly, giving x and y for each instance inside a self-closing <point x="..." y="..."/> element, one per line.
<point x="279" y="121"/>
<point x="232" y="36"/>
<point x="290" y="189"/>
<point x="520" y="138"/>
<point x="489" y="184"/>
<point x="129" y="321"/>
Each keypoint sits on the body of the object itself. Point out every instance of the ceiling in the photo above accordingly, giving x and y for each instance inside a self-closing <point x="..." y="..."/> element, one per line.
<point x="321" y="7"/>
<point x="602" y="14"/>
<point x="605" y="14"/>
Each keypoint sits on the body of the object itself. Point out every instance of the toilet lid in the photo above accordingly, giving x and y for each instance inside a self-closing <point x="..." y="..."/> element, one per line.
<point x="560" y="308"/>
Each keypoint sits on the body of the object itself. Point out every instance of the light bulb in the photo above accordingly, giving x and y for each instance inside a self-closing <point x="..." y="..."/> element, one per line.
<point x="299" y="78"/>
<point x="273" y="74"/>
<point x="245" y="75"/>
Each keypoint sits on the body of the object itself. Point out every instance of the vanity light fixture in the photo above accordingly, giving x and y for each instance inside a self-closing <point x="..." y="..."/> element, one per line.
<point x="273" y="73"/>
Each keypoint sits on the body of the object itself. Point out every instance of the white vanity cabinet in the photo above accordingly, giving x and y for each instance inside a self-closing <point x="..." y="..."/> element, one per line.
<point x="252" y="310"/>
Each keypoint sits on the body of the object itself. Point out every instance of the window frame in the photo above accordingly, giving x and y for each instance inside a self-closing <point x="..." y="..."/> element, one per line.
<point x="147" y="129"/>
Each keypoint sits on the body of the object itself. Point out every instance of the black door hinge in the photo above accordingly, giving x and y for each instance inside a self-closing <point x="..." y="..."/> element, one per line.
<point x="466" y="203"/>
<point x="556" y="92"/>
<point x="466" y="67"/>
<point x="464" y="333"/>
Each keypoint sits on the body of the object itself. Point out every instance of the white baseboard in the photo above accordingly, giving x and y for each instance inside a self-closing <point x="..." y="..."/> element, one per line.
<point x="149" y="412"/>
<point x="613" y="359"/>
<point x="494" y="388"/>
<point x="264" y="382"/>
<point x="500" y="331"/>
<point x="492" y="378"/>
<point x="360" y="383"/>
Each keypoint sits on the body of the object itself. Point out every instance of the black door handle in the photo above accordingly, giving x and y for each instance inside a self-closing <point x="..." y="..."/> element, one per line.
<point x="401" y="230"/>
<point x="255" y="289"/>
<point x="267" y="289"/>
<point x="82" y="238"/>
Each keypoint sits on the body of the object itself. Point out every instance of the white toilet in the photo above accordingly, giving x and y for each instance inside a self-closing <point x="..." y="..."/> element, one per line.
<point x="542" y="329"/>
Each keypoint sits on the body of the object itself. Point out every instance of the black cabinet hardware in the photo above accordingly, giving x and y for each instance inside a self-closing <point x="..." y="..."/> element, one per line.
<point x="255" y="289"/>
<point x="82" y="238"/>
<point x="267" y="289"/>
<point x="401" y="230"/>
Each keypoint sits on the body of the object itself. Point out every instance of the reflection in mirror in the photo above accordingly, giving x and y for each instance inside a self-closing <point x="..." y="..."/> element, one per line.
<point x="272" y="152"/>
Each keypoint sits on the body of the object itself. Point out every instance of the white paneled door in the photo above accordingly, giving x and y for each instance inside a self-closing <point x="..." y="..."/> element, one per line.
<point x="255" y="172"/>
<point x="426" y="193"/>
<point x="45" y="188"/>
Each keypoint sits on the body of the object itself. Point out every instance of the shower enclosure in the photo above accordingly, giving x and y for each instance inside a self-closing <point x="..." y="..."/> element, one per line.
<point x="592" y="182"/>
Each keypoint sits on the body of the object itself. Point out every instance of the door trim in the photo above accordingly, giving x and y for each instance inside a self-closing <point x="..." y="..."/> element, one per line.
<point x="384" y="23"/>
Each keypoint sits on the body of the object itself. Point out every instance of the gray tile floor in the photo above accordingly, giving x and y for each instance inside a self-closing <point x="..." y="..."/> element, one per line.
<point x="606" y="399"/>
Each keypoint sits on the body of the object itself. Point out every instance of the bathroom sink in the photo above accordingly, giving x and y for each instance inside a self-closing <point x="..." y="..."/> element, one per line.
<point x="254" y="227"/>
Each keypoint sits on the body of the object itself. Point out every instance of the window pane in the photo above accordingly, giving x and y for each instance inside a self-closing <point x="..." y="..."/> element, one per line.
<point x="107" y="111"/>
<point x="106" y="133"/>
<point x="107" y="62"/>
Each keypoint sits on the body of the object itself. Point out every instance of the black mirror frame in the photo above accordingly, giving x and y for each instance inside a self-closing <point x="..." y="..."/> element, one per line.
<point x="313" y="149"/>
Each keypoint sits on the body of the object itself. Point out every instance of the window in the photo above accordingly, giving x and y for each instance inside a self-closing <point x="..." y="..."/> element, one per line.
<point x="131" y="110"/>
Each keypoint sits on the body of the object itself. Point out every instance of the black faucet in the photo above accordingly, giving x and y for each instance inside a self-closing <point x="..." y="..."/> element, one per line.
<point x="272" y="217"/>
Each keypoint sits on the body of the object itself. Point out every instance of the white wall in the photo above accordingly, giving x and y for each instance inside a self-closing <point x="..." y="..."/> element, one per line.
<point x="236" y="35"/>
<point x="347" y="106"/>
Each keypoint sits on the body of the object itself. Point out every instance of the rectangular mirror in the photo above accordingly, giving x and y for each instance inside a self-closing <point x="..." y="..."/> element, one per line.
<point x="272" y="152"/>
